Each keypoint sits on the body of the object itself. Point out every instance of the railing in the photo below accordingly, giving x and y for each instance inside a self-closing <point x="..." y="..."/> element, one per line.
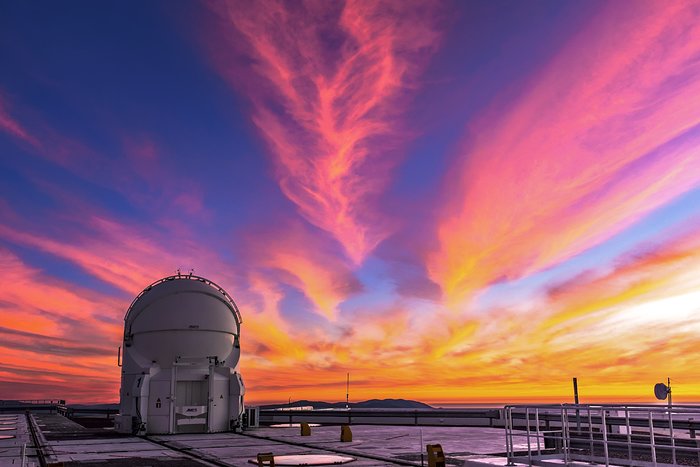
<point x="415" y="417"/>
<point x="34" y="405"/>
<point x="640" y="435"/>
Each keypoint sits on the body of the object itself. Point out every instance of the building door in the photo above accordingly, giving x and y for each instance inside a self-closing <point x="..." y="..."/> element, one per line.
<point x="191" y="406"/>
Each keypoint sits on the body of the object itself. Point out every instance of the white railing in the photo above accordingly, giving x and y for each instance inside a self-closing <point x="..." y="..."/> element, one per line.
<point x="639" y="435"/>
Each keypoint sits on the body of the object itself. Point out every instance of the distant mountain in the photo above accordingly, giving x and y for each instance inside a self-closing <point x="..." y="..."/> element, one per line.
<point x="93" y="406"/>
<point x="370" y="404"/>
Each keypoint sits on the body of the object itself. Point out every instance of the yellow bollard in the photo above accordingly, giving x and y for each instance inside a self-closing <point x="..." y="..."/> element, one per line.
<point x="305" y="429"/>
<point x="345" y="434"/>
<point x="436" y="456"/>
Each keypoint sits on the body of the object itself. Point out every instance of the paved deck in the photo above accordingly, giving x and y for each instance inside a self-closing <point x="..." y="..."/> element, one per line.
<point x="15" y="425"/>
<point x="75" y="446"/>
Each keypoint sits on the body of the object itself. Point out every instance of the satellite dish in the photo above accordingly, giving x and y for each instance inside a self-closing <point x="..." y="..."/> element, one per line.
<point x="661" y="391"/>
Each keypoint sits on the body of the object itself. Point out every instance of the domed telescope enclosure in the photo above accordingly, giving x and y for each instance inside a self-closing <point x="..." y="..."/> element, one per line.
<point x="180" y="359"/>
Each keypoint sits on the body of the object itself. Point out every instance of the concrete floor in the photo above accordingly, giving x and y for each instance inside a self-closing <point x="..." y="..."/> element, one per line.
<point x="372" y="445"/>
<point x="11" y="449"/>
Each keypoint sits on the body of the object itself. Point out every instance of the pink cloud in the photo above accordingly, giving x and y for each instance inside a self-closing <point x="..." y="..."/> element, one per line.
<point x="10" y="125"/>
<point x="331" y="81"/>
<point x="599" y="138"/>
<point x="53" y="334"/>
<point x="293" y="254"/>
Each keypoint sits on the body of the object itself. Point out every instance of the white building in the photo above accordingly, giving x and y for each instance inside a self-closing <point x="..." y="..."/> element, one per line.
<point x="180" y="359"/>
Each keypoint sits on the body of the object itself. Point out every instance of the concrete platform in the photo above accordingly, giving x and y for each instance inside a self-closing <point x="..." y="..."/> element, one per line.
<point x="11" y="448"/>
<point x="372" y="445"/>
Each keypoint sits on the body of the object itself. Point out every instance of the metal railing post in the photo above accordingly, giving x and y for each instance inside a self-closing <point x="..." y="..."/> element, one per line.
<point x="537" y="428"/>
<point x="527" y="434"/>
<point x="651" y="437"/>
<point x="629" y="433"/>
<point x="673" y="441"/>
<point x="590" y="430"/>
<point x="509" y="435"/>
<point x="565" y="434"/>
<point x="605" y="436"/>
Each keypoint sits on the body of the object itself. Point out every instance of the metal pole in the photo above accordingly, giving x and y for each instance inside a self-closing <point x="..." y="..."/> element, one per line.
<point x="590" y="430"/>
<point x="537" y="428"/>
<point x="605" y="437"/>
<point x="651" y="437"/>
<point x="509" y="435"/>
<point x="422" y="462"/>
<point x="673" y="441"/>
<point x="527" y="431"/>
<point x="629" y="433"/>
<point x="347" y="393"/>
<point x="578" y="419"/>
<point x="565" y="433"/>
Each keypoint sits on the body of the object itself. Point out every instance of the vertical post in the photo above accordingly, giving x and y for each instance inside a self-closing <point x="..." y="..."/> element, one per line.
<point x="590" y="430"/>
<point x="537" y="428"/>
<point x="527" y="432"/>
<point x="422" y="462"/>
<point x="670" y="432"/>
<point x="651" y="436"/>
<point x="347" y="393"/>
<point x="669" y="394"/>
<point x="605" y="436"/>
<point x="509" y="435"/>
<point x="564" y="428"/>
<point x="578" y="419"/>
<point x="629" y="433"/>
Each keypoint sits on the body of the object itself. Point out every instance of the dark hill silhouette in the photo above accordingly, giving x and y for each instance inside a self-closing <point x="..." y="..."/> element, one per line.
<point x="370" y="404"/>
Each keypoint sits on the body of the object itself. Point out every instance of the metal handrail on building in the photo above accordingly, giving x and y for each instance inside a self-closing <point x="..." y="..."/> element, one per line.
<point x="640" y="435"/>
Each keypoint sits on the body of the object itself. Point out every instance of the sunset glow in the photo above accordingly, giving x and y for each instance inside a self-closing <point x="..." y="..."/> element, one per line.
<point x="455" y="202"/>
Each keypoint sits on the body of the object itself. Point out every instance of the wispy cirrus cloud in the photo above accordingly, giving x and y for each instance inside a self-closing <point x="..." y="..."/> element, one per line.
<point x="598" y="139"/>
<point x="10" y="125"/>
<point x="294" y="254"/>
<point x="329" y="85"/>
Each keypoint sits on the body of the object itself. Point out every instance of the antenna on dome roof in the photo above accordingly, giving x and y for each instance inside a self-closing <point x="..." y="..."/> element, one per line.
<point x="190" y="274"/>
<point x="178" y="272"/>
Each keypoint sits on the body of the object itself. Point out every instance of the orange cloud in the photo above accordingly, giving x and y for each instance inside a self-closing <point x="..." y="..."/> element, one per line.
<point x="597" y="140"/>
<point x="54" y="334"/>
<point x="331" y="80"/>
<point x="595" y="326"/>
<point x="295" y="255"/>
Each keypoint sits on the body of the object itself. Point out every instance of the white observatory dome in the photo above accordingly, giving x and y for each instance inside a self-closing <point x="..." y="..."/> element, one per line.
<point x="183" y="317"/>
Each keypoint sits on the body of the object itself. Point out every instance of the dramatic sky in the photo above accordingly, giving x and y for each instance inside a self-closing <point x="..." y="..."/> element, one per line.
<point x="465" y="201"/>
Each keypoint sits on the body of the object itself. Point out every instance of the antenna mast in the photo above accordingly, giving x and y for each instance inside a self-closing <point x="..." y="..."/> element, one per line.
<point x="347" y="393"/>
